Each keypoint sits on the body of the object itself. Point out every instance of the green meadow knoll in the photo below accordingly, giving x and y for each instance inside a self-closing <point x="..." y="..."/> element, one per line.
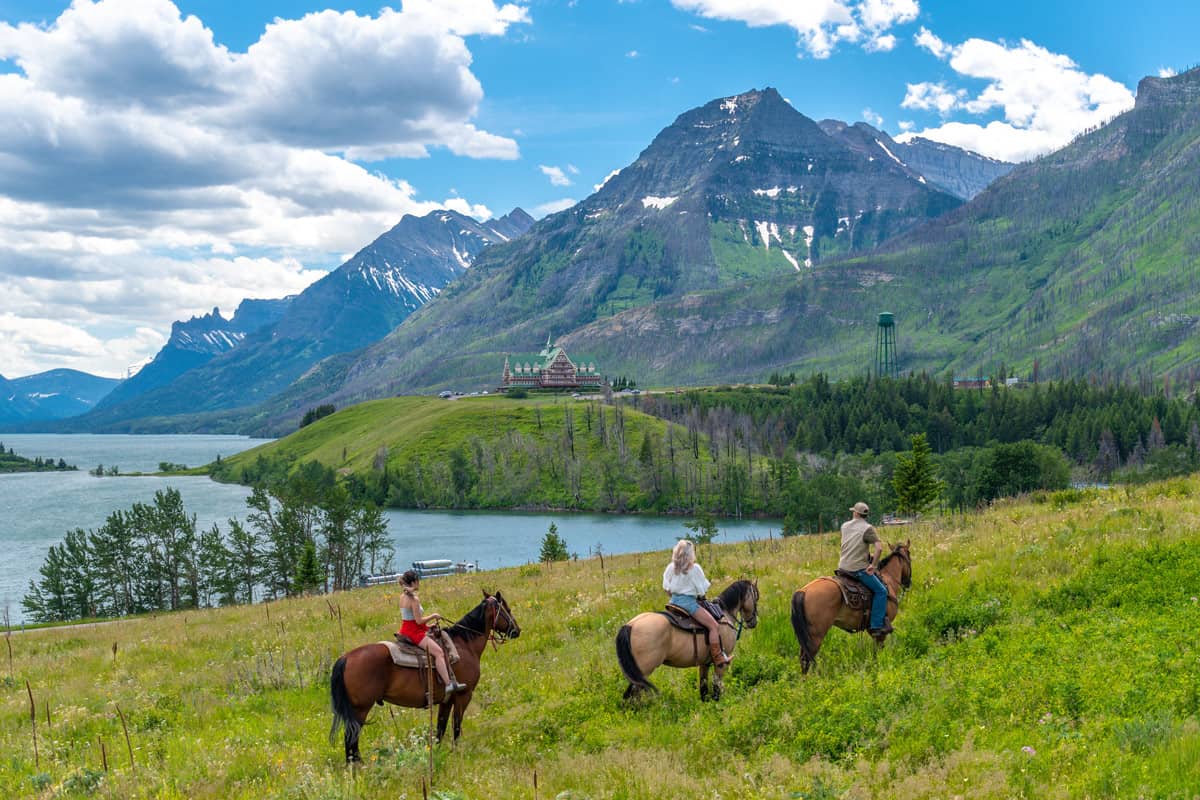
<point x="542" y="451"/>
<point x="1047" y="649"/>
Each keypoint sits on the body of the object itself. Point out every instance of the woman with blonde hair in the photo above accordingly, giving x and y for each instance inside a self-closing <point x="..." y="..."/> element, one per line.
<point x="684" y="580"/>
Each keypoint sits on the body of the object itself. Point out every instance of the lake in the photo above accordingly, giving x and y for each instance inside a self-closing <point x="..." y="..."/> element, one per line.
<point x="37" y="509"/>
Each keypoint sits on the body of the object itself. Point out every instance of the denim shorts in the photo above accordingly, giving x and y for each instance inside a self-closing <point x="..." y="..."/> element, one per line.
<point x="685" y="601"/>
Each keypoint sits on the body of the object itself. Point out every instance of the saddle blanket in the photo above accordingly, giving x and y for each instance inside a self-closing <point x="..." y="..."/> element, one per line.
<point x="413" y="657"/>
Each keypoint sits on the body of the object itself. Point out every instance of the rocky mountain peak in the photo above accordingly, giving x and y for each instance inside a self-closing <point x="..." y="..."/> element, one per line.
<point x="1178" y="90"/>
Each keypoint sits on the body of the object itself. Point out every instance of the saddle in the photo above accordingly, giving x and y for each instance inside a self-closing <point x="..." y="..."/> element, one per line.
<point x="856" y="595"/>
<point x="406" y="654"/>
<point x="686" y="622"/>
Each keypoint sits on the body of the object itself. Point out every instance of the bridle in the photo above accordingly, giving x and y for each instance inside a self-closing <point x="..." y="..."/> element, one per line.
<point x="495" y="637"/>
<point x="501" y="636"/>
<point x="750" y="622"/>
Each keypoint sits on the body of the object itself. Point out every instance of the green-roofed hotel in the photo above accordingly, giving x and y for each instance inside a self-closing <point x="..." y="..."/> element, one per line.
<point x="552" y="368"/>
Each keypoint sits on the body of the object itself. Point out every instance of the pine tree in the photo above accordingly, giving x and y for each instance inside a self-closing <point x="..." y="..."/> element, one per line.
<point x="554" y="547"/>
<point x="308" y="570"/>
<point x="915" y="479"/>
<point x="703" y="528"/>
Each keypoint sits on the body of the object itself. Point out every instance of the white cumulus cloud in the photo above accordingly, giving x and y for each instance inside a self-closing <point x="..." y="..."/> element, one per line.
<point x="1043" y="99"/>
<point x="820" y="25"/>
<point x="556" y="175"/>
<point x="150" y="172"/>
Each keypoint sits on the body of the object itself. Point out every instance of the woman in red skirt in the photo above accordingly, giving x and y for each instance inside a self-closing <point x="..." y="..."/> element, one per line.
<point x="415" y="624"/>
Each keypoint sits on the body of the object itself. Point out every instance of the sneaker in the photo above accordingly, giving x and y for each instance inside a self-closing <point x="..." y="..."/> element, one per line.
<point x="455" y="686"/>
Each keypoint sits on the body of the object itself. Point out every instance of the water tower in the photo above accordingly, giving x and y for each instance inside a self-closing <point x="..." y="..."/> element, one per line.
<point x="885" y="346"/>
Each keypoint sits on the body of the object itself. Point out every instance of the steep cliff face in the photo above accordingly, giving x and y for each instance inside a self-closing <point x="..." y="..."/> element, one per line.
<point x="195" y="342"/>
<point x="962" y="173"/>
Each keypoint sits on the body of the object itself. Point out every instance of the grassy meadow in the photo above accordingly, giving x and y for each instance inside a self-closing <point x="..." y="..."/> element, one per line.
<point x="1047" y="649"/>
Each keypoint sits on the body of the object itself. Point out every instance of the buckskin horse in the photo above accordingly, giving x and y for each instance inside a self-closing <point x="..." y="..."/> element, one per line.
<point x="366" y="675"/>
<point x="650" y="640"/>
<point x="819" y="605"/>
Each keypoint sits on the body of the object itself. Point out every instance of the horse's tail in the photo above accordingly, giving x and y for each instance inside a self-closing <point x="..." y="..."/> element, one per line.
<point x="629" y="665"/>
<point x="800" y="626"/>
<point x="343" y="710"/>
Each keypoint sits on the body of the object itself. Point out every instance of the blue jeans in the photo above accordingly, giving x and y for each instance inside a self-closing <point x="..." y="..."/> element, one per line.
<point x="878" y="600"/>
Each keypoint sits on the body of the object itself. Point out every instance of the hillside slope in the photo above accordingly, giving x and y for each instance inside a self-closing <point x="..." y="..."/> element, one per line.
<point x="496" y="452"/>
<point x="1045" y="649"/>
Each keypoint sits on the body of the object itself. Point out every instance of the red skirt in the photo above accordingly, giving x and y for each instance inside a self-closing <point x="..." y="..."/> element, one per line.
<point x="413" y="631"/>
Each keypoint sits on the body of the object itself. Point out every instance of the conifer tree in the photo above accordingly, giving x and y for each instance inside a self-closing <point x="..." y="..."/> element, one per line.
<point x="554" y="547"/>
<point x="915" y="479"/>
<point x="308" y="571"/>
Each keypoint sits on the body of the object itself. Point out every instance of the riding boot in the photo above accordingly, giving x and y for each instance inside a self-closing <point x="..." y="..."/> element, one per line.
<point x="719" y="659"/>
<point x="453" y="686"/>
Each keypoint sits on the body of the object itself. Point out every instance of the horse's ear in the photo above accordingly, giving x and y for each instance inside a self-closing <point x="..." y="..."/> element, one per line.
<point x="908" y="542"/>
<point x="485" y="594"/>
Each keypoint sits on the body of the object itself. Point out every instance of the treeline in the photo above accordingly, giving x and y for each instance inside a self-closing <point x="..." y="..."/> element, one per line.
<point x="860" y="415"/>
<point x="306" y="533"/>
<point x="11" y="462"/>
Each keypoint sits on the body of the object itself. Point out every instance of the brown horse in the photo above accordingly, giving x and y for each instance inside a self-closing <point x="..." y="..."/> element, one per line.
<point x="818" y="606"/>
<point x="366" y="675"/>
<point x="649" y="640"/>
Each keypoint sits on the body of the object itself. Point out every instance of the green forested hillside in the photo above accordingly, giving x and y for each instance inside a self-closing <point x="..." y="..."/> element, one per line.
<point x="1045" y="650"/>
<point x="497" y="452"/>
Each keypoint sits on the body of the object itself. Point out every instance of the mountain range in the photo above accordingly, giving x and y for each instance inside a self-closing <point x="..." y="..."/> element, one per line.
<point x="51" y="395"/>
<point x="210" y="365"/>
<point x="748" y="238"/>
<point x="1081" y="262"/>
<point x="741" y="190"/>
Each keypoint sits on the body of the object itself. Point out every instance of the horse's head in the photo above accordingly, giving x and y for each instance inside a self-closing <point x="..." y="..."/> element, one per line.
<point x="904" y="558"/>
<point x="500" y="617"/>
<point x="750" y="605"/>
<point x="741" y="600"/>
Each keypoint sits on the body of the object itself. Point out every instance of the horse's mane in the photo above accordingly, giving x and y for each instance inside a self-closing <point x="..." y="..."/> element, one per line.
<point x="732" y="597"/>
<point x="472" y="623"/>
<point x="888" y="558"/>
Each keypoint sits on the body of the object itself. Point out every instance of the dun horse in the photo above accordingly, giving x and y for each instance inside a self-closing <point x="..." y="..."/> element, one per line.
<point x="649" y="640"/>
<point x="366" y="675"/>
<point x="819" y="605"/>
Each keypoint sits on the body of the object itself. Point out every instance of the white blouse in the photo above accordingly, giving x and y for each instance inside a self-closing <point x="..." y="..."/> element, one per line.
<point x="691" y="582"/>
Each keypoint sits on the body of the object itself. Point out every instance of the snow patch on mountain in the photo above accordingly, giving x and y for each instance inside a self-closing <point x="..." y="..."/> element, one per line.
<point x="651" y="201"/>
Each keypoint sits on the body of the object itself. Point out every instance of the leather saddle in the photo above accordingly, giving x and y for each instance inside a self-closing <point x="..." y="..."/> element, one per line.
<point x="406" y="654"/>
<point x="686" y="622"/>
<point x="855" y="594"/>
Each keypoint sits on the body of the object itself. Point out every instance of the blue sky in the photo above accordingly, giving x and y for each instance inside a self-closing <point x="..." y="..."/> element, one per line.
<point x="165" y="157"/>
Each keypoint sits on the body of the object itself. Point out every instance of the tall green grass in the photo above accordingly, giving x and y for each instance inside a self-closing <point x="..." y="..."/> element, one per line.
<point x="1046" y="649"/>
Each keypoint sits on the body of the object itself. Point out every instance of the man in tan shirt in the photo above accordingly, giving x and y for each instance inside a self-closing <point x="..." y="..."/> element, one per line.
<point x="857" y="537"/>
